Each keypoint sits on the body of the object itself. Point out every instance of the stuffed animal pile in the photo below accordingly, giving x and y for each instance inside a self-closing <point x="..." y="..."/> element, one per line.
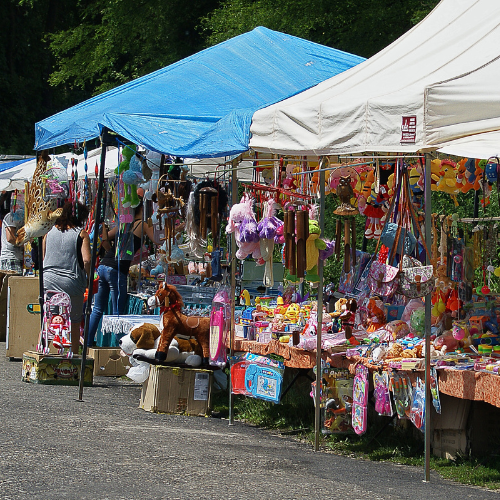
<point x="141" y="344"/>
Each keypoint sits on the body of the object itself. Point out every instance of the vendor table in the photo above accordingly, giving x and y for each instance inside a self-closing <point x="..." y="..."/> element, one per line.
<point x="134" y="306"/>
<point x="462" y="384"/>
<point x="293" y="356"/>
<point x="116" y="326"/>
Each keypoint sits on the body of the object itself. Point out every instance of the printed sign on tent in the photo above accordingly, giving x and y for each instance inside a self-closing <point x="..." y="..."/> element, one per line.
<point x="409" y="130"/>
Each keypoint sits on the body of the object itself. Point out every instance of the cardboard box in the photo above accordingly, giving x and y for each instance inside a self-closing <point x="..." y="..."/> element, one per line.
<point x="23" y="315"/>
<point x="55" y="369"/>
<point x="177" y="390"/>
<point x="108" y="362"/>
<point x="4" y="285"/>
<point x="454" y="413"/>
<point x="484" y="431"/>
<point x="448" y="443"/>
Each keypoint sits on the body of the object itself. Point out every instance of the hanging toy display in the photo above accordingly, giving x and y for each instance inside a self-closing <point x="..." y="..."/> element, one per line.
<point x="55" y="179"/>
<point x="314" y="245"/>
<point x="40" y="214"/>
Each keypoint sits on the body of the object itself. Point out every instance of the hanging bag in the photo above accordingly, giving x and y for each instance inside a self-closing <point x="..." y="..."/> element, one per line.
<point x="382" y="279"/>
<point x="415" y="279"/>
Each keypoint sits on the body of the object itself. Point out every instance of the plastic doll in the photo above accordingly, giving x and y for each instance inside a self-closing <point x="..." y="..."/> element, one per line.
<point x="60" y="331"/>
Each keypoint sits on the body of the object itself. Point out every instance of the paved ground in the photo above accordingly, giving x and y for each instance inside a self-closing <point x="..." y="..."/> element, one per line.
<point x="54" y="447"/>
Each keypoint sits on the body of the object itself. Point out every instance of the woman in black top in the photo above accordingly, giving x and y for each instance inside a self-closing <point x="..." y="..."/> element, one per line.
<point x="113" y="271"/>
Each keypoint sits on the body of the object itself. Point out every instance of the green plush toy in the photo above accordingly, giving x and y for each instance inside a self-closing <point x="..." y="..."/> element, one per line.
<point x="130" y="199"/>
<point x="313" y="245"/>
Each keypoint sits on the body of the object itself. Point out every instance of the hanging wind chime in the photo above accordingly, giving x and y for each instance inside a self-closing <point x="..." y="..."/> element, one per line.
<point x="345" y="192"/>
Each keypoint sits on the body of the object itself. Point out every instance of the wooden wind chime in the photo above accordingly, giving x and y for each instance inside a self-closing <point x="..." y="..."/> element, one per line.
<point x="345" y="192"/>
<point x="209" y="213"/>
<point x="169" y="205"/>
<point x="296" y="232"/>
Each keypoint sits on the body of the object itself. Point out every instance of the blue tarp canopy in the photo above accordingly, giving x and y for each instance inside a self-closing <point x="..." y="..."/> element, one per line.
<point x="201" y="106"/>
<point x="11" y="164"/>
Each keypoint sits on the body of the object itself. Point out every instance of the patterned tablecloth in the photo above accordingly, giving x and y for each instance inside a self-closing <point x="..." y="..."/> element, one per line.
<point x="120" y="325"/>
<point x="463" y="384"/>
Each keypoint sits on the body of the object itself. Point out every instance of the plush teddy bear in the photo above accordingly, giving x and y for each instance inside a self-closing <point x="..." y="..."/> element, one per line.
<point x="442" y="280"/>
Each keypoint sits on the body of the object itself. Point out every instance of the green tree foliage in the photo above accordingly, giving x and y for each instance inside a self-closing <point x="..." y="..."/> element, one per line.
<point x="56" y="53"/>
<point x="119" y="40"/>
<point x="26" y="62"/>
<point x="362" y="27"/>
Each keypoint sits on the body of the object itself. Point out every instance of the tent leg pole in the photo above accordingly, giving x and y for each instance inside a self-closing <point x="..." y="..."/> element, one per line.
<point x="428" y="307"/>
<point x="88" y="307"/>
<point x="234" y="196"/>
<point x="317" y="408"/>
<point x="476" y="204"/>
<point x="41" y="297"/>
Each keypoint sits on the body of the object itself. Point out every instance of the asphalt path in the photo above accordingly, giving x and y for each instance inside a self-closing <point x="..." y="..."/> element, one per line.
<point x="53" y="446"/>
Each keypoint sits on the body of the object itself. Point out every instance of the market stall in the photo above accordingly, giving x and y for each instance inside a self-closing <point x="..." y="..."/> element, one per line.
<point x="208" y="118"/>
<point x="411" y="97"/>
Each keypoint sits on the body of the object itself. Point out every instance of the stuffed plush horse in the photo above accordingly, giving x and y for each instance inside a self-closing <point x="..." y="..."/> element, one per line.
<point x="176" y="323"/>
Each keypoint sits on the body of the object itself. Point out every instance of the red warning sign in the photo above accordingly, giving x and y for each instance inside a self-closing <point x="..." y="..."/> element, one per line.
<point x="409" y="130"/>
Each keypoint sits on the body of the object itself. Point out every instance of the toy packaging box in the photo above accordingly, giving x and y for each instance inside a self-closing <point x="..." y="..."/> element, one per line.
<point x="172" y="389"/>
<point x="55" y="369"/>
<point x="257" y="377"/>
<point x="336" y="401"/>
<point x="108" y="362"/>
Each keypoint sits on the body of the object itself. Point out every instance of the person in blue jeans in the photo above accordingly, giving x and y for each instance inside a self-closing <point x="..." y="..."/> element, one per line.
<point x="114" y="267"/>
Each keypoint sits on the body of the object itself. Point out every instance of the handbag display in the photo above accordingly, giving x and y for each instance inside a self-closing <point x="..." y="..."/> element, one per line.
<point x="383" y="279"/>
<point x="415" y="280"/>
<point x="410" y="278"/>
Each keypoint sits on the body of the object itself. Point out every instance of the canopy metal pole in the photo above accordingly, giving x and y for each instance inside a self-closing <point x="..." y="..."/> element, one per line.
<point x="41" y="295"/>
<point x="234" y="196"/>
<point x="319" y="375"/>
<point x="97" y="223"/>
<point x="428" y="307"/>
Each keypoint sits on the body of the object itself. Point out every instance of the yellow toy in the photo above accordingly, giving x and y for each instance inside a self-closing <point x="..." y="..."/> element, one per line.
<point x="448" y="179"/>
<point x="435" y="173"/>
<point x="280" y="307"/>
<point x="367" y="188"/>
<point x="292" y="313"/>
<point x="246" y="297"/>
<point x="390" y="185"/>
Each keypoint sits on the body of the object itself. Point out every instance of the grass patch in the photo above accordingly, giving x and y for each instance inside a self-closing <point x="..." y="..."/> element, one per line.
<point x="401" y="443"/>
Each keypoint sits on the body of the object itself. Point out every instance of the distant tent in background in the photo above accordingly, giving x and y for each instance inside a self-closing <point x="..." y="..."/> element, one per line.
<point x="201" y="106"/>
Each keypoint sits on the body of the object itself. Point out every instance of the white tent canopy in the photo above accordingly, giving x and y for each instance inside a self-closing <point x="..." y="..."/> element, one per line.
<point x="467" y="104"/>
<point x="482" y="146"/>
<point x="366" y="107"/>
<point x="16" y="177"/>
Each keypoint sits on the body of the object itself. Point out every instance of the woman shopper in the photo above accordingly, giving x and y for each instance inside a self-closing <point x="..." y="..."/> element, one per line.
<point x="66" y="262"/>
<point x="11" y="255"/>
<point x="114" y="267"/>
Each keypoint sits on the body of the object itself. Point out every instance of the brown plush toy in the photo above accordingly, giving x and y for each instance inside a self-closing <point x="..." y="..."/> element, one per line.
<point x="176" y="323"/>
